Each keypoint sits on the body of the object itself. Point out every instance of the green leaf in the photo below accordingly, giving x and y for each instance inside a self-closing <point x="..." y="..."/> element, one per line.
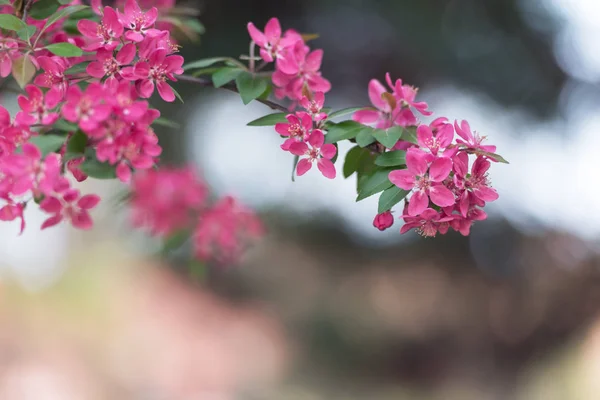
<point x="60" y="14"/>
<point x="493" y="156"/>
<point x="365" y="137"/>
<point x="250" y="87"/>
<point x="355" y="160"/>
<point x="27" y="32"/>
<point x="166" y="123"/>
<point x="225" y="75"/>
<point x="269" y="120"/>
<point x="390" y="197"/>
<point x="175" y="240"/>
<point x="42" y="9"/>
<point x="195" y="25"/>
<point x="374" y="184"/>
<point x="97" y="169"/>
<point x="65" y="126"/>
<point x="78" y="68"/>
<point x="4" y="2"/>
<point x="63" y="2"/>
<point x="344" y="111"/>
<point x="64" y="50"/>
<point x="410" y="134"/>
<point x="391" y="159"/>
<point x="388" y="137"/>
<point x="23" y="70"/>
<point x="11" y="23"/>
<point x="48" y="143"/>
<point x="77" y="143"/>
<point x="343" y="131"/>
<point x="176" y="93"/>
<point x="206" y="62"/>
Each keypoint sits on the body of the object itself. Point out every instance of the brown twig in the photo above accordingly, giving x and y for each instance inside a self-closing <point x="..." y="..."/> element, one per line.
<point x="231" y="87"/>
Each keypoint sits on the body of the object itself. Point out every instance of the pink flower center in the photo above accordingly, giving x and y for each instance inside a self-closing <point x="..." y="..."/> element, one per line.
<point x="422" y="182"/>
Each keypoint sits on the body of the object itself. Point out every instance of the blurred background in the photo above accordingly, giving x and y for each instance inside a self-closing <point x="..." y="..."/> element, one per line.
<point x="326" y="306"/>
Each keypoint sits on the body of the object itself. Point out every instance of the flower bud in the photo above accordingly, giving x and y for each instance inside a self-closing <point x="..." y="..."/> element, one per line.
<point x="383" y="221"/>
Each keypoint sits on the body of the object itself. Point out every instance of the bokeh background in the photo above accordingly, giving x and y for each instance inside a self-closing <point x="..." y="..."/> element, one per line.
<point x="327" y="307"/>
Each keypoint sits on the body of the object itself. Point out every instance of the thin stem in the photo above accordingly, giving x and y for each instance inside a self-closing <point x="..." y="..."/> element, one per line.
<point x="208" y="83"/>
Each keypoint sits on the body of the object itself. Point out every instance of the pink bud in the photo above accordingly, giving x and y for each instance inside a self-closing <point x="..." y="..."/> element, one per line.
<point x="383" y="221"/>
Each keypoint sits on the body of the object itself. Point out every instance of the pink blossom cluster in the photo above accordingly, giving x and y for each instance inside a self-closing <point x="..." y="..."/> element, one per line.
<point x="444" y="192"/>
<point x="297" y="68"/>
<point x="305" y="137"/>
<point x="169" y="200"/>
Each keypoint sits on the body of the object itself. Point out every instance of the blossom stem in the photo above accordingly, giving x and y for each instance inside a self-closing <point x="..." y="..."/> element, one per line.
<point x="208" y="83"/>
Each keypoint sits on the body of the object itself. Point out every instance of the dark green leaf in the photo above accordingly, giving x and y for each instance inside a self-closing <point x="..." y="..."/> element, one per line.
<point x="64" y="49"/>
<point x="42" y="9"/>
<point x="65" y="126"/>
<point x="195" y="25"/>
<point x="337" y="153"/>
<point x="11" y="23"/>
<point x="374" y="184"/>
<point x="390" y="197"/>
<point x="48" y="143"/>
<point x="265" y="95"/>
<point x="343" y="131"/>
<point x="388" y="137"/>
<point x="494" y="156"/>
<point x="60" y="14"/>
<point x="4" y="2"/>
<point x="63" y="2"/>
<point x="410" y="134"/>
<point x="77" y="143"/>
<point x="391" y="159"/>
<point x="27" y="32"/>
<point x="269" y="120"/>
<point x="250" y="87"/>
<point x="97" y="169"/>
<point x="175" y="241"/>
<point x="344" y="111"/>
<point x="355" y="158"/>
<point x="207" y="62"/>
<point x="205" y="71"/>
<point x="365" y="137"/>
<point x="78" y="68"/>
<point x="166" y="123"/>
<point x="225" y="75"/>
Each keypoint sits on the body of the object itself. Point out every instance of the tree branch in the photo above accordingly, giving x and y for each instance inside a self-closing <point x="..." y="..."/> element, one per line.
<point x="204" y="82"/>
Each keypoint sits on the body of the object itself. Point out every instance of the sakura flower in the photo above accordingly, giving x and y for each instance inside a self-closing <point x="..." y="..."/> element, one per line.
<point x="472" y="140"/>
<point x="8" y="52"/>
<point x="436" y="143"/>
<point x="36" y="107"/>
<point x="462" y="224"/>
<point x="157" y="70"/>
<point x="271" y="43"/>
<point x="425" y="180"/>
<point x="165" y="200"/>
<point x="12" y="211"/>
<point x="224" y="230"/>
<point x="86" y="108"/>
<point x="54" y="74"/>
<point x="139" y="23"/>
<point x="106" y="34"/>
<point x="315" y="150"/>
<point x="314" y="106"/>
<point x="386" y="111"/>
<point x="297" y="129"/>
<point x="299" y="71"/>
<point x="70" y="205"/>
<point x="110" y="66"/>
<point x="428" y="223"/>
<point x="383" y="221"/>
<point x="476" y="184"/>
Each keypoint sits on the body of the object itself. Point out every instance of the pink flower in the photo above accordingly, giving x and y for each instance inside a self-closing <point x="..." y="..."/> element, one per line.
<point x="73" y="167"/>
<point x="462" y="224"/>
<point x="272" y="45"/>
<point x="37" y="107"/>
<point x="428" y="223"/>
<point x="317" y="151"/>
<point x="406" y="95"/>
<point x="12" y="211"/>
<point x="110" y="66"/>
<point x="224" y="230"/>
<point x="54" y="74"/>
<point x="298" y="70"/>
<point x="472" y="140"/>
<point x="106" y="34"/>
<point x="157" y="70"/>
<point x="86" y="108"/>
<point x="165" y="200"/>
<point x="9" y="50"/>
<point x="386" y="113"/>
<point x="383" y="221"/>
<point x="314" y="106"/>
<point x="139" y="23"/>
<point x="123" y="100"/>
<point x="425" y="180"/>
<point x="71" y="205"/>
<point x="475" y="187"/>
<point x="437" y="143"/>
<point x="297" y="129"/>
